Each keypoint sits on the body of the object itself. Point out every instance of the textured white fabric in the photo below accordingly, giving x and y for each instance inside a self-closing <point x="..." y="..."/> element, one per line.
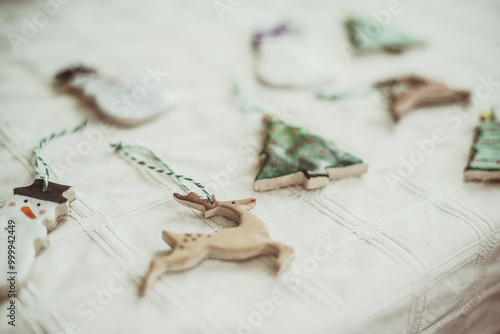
<point x="422" y="256"/>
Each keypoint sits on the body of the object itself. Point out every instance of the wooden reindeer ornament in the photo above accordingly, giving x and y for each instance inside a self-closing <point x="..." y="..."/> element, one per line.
<point x="249" y="239"/>
<point x="412" y="92"/>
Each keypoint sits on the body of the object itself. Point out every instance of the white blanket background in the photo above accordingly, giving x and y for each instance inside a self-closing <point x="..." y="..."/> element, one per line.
<point x="418" y="256"/>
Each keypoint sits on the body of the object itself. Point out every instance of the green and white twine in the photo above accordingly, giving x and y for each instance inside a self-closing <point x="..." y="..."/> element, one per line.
<point x="356" y="94"/>
<point x="165" y="170"/>
<point x="351" y="93"/>
<point x="247" y="106"/>
<point x="44" y="172"/>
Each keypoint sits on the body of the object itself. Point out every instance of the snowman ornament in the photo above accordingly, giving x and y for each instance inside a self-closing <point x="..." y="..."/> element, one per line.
<point x="25" y="219"/>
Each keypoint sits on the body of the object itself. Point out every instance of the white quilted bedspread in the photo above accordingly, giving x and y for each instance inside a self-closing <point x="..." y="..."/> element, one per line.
<point x="406" y="248"/>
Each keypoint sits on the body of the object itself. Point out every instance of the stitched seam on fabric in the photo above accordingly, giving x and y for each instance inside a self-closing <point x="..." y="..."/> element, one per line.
<point x="375" y="232"/>
<point x="43" y="304"/>
<point x="67" y="239"/>
<point x="479" y="267"/>
<point x="43" y="314"/>
<point x="100" y="234"/>
<point x="413" y="297"/>
<point x="137" y="206"/>
<point x="8" y="133"/>
<point x="420" y="286"/>
<point x="463" y="310"/>
<point x="25" y="305"/>
<point x="320" y="290"/>
<point x="441" y="271"/>
<point x="407" y="212"/>
<point x="46" y="307"/>
<point x="421" y="189"/>
<point x="485" y="253"/>
<point x="427" y="192"/>
<point x="83" y="208"/>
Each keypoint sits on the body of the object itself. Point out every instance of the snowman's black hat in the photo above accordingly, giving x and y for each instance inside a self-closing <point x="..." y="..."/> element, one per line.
<point x="56" y="193"/>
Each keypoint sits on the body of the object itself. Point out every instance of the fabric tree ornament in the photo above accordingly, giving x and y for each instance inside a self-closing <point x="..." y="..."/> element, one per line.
<point x="26" y="218"/>
<point x="365" y="39"/>
<point x="484" y="157"/>
<point x="116" y="99"/>
<point x="411" y="92"/>
<point x="284" y="59"/>
<point x="291" y="155"/>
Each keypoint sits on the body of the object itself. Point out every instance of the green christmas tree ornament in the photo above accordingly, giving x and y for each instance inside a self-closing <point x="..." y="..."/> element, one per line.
<point x="484" y="157"/>
<point x="291" y="155"/>
<point x="370" y="36"/>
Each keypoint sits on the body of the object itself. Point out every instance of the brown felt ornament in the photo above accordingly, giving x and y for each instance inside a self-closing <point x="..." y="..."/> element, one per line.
<point x="411" y="92"/>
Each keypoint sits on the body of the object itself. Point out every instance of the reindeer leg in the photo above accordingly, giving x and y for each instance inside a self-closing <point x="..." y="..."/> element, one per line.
<point x="284" y="255"/>
<point x="156" y="269"/>
<point x="175" y="261"/>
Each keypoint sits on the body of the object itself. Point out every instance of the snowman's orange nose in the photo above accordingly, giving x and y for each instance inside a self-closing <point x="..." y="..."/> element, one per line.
<point x="27" y="211"/>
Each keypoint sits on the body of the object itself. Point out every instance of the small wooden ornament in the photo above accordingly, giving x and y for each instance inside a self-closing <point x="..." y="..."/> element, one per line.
<point x="249" y="239"/>
<point x="411" y="92"/>
<point x="286" y="59"/>
<point x="25" y="219"/>
<point x="484" y="157"/>
<point x="386" y="39"/>
<point x="291" y="155"/>
<point x="122" y="102"/>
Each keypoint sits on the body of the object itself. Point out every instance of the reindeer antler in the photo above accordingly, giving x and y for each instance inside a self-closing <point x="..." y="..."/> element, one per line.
<point x="193" y="198"/>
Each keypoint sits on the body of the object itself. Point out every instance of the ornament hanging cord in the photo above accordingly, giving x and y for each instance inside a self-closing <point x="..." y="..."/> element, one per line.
<point x="352" y="93"/>
<point x="44" y="172"/>
<point x="165" y="170"/>
<point x="358" y="93"/>
<point x="245" y="104"/>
